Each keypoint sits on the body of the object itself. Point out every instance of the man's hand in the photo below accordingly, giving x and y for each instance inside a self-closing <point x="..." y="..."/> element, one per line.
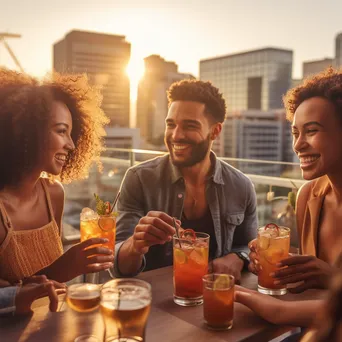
<point x="155" y="228"/>
<point x="311" y="271"/>
<point x="229" y="264"/>
<point x="84" y="257"/>
<point x="36" y="287"/>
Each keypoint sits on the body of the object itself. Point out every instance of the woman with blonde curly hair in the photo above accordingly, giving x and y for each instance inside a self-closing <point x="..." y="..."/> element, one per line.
<point x="55" y="128"/>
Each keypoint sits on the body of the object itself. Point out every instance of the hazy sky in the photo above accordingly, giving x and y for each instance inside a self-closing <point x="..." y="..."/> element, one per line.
<point x="183" y="31"/>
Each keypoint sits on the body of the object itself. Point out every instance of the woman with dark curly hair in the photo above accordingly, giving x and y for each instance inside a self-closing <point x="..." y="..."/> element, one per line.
<point x="53" y="128"/>
<point x="315" y="111"/>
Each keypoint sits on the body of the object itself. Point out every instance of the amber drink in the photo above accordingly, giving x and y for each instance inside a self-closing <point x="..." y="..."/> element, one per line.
<point x="93" y="225"/>
<point x="218" y="301"/>
<point x="190" y="264"/>
<point x="125" y="307"/>
<point x="273" y="245"/>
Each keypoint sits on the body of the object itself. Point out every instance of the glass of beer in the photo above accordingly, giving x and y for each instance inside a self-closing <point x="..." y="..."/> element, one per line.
<point x="190" y="264"/>
<point x="218" y="301"/>
<point x="273" y="244"/>
<point x="125" y="307"/>
<point x="84" y="298"/>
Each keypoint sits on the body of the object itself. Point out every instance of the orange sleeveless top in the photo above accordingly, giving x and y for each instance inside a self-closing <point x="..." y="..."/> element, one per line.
<point x="25" y="252"/>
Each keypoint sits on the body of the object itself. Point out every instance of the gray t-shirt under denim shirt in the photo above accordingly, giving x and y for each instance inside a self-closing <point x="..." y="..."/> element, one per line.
<point x="158" y="185"/>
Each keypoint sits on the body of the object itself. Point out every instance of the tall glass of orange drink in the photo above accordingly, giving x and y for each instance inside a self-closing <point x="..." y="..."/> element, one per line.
<point x="190" y="264"/>
<point x="94" y="225"/>
<point x="273" y="245"/>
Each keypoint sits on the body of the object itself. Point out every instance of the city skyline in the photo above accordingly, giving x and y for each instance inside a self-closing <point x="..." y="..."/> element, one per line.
<point x="184" y="33"/>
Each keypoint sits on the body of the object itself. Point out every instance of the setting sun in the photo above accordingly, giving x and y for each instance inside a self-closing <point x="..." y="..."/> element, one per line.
<point x="135" y="71"/>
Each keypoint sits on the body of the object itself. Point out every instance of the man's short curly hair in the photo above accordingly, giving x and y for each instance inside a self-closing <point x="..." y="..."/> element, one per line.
<point x="24" y="118"/>
<point x="199" y="91"/>
<point x="327" y="84"/>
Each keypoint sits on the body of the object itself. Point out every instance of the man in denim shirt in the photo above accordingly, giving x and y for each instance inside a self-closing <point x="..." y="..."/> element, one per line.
<point x="190" y="184"/>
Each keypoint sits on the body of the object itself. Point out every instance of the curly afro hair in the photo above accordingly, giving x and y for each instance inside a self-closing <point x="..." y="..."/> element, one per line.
<point x="199" y="91"/>
<point x="24" y="117"/>
<point x="327" y="84"/>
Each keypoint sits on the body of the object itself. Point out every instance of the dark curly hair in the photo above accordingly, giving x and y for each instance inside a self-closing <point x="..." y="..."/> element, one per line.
<point x="327" y="84"/>
<point x="24" y="117"/>
<point x="199" y="91"/>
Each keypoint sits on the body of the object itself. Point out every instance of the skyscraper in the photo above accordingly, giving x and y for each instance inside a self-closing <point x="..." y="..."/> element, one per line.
<point x="250" y="80"/>
<point x="152" y="104"/>
<point x="255" y="134"/>
<point x="314" y="67"/>
<point x="104" y="58"/>
<point x="338" y="50"/>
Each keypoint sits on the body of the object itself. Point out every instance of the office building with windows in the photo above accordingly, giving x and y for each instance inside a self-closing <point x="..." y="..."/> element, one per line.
<point x="256" y="135"/>
<point x="251" y="80"/>
<point x="152" y="103"/>
<point x="104" y="58"/>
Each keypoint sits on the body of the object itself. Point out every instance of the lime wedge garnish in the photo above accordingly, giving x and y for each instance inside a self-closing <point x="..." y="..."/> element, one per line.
<point x="106" y="223"/>
<point x="222" y="282"/>
<point x="180" y="256"/>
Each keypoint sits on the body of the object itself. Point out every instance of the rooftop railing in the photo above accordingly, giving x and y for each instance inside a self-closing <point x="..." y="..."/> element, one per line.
<point x="273" y="181"/>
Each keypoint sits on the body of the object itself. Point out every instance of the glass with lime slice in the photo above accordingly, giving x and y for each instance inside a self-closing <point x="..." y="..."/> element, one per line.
<point x="218" y="301"/>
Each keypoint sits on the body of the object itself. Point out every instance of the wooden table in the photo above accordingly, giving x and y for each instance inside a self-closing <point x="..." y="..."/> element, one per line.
<point x="168" y="322"/>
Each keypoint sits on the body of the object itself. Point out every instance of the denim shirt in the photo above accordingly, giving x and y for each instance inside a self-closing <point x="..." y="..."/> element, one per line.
<point x="158" y="185"/>
<point x="7" y="299"/>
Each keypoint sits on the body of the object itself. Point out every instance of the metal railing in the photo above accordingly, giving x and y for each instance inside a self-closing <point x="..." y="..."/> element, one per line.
<point x="117" y="160"/>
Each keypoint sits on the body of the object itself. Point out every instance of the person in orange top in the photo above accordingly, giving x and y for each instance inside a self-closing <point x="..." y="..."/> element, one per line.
<point x="53" y="127"/>
<point x="315" y="111"/>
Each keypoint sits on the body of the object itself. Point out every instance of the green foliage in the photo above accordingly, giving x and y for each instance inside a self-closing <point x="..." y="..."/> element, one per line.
<point x="291" y="197"/>
<point x="100" y="205"/>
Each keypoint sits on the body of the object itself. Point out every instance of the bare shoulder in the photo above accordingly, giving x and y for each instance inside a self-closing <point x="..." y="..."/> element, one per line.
<point x="56" y="192"/>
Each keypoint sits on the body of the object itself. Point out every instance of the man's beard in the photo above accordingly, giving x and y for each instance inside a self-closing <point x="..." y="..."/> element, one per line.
<point x="198" y="153"/>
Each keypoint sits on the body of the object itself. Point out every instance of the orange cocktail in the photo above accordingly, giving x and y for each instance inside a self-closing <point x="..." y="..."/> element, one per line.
<point x="190" y="264"/>
<point x="273" y="245"/>
<point x="218" y="301"/>
<point x="103" y="226"/>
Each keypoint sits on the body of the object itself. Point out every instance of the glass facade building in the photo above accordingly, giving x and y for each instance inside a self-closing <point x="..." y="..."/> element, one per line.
<point x="251" y="80"/>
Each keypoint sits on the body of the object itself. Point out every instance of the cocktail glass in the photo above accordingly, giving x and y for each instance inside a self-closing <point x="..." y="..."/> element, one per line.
<point x="190" y="264"/>
<point x="84" y="298"/>
<point x="273" y="245"/>
<point x="218" y="301"/>
<point x="125" y="307"/>
<point x="93" y="225"/>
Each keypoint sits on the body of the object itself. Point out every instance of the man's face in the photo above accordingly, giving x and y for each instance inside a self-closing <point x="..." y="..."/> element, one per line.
<point x="188" y="133"/>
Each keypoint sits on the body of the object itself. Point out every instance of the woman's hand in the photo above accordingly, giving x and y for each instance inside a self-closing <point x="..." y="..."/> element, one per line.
<point x="36" y="287"/>
<point x="307" y="269"/>
<point x="264" y="306"/>
<point x="82" y="258"/>
<point x="254" y="265"/>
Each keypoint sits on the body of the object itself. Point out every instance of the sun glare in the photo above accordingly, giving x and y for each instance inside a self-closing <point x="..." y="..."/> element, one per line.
<point x="135" y="71"/>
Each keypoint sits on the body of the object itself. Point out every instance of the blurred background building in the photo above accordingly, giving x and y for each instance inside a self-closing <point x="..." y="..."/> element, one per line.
<point x="255" y="134"/>
<point x="338" y="50"/>
<point x="104" y="57"/>
<point x="251" y="80"/>
<point x="313" y="67"/>
<point x="152" y="104"/>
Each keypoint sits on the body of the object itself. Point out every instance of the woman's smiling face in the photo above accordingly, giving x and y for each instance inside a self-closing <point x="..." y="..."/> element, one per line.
<point x="317" y="138"/>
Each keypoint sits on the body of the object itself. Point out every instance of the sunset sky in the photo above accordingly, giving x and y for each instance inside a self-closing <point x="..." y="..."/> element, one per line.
<point x="183" y="31"/>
